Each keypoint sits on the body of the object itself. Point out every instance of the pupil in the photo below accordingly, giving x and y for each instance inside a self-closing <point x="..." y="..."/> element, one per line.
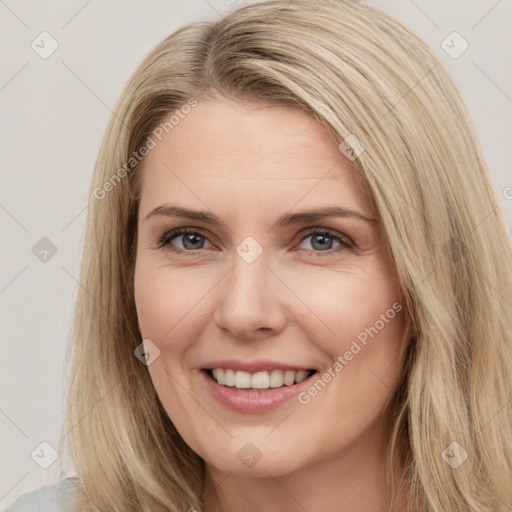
<point x="191" y="239"/>
<point x="322" y="240"/>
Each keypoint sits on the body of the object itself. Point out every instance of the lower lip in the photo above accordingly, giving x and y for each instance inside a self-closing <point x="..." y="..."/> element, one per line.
<point x="253" y="401"/>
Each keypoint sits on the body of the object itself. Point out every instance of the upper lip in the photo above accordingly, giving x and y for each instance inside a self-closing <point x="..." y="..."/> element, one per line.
<point x="253" y="366"/>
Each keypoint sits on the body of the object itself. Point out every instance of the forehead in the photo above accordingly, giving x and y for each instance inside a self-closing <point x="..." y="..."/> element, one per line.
<point x="224" y="148"/>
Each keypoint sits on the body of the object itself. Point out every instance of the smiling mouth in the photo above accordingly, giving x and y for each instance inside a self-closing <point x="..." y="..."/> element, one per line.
<point x="259" y="381"/>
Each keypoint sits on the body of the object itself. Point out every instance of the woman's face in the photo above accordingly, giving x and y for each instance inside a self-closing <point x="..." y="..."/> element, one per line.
<point x="263" y="287"/>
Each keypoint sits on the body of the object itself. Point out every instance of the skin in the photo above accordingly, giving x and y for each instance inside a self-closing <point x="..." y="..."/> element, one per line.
<point x="299" y="302"/>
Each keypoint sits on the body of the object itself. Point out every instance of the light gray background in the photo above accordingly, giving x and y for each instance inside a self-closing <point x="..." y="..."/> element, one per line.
<point x="53" y="115"/>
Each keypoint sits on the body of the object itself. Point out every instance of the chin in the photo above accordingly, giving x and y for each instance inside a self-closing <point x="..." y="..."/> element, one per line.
<point x="256" y="456"/>
<point x="277" y="465"/>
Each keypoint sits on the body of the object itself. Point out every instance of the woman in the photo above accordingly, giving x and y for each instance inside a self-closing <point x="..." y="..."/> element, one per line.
<point x="297" y="279"/>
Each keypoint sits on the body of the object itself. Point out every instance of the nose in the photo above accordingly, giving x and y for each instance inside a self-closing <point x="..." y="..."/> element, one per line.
<point x="250" y="304"/>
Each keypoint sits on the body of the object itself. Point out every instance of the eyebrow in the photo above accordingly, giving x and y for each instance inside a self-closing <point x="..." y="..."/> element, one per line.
<point x="285" y="220"/>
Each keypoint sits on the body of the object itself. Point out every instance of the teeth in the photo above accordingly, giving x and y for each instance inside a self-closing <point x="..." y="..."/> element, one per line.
<point x="230" y="378"/>
<point x="289" y="378"/>
<point x="221" y="376"/>
<point x="303" y="374"/>
<point x="259" y="380"/>
<point x="276" y="379"/>
<point x="242" y="380"/>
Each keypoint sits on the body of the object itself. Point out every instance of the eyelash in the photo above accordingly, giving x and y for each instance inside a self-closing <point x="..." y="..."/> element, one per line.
<point x="164" y="241"/>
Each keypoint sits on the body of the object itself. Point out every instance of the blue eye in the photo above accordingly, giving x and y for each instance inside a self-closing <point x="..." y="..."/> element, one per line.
<point x="322" y="240"/>
<point x="193" y="241"/>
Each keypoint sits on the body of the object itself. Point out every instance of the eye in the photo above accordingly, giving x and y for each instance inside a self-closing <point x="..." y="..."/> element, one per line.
<point x="322" y="240"/>
<point x="190" y="240"/>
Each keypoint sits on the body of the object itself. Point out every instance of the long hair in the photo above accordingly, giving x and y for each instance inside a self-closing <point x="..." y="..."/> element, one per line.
<point x="366" y="78"/>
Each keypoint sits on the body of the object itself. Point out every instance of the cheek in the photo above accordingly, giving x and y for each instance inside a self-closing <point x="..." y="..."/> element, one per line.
<point x="165" y="303"/>
<point x="359" y="323"/>
<point x="341" y="304"/>
<point x="166" y="300"/>
<point x="155" y="305"/>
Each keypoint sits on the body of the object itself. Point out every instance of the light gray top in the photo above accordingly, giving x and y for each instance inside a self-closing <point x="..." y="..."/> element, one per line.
<point x="58" y="497"/>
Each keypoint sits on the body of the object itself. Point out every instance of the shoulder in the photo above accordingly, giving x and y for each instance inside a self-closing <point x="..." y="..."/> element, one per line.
<point x="58" y="497"/>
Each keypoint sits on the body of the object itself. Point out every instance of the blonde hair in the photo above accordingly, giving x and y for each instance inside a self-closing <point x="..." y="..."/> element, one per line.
<point x="358" y="72"/>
